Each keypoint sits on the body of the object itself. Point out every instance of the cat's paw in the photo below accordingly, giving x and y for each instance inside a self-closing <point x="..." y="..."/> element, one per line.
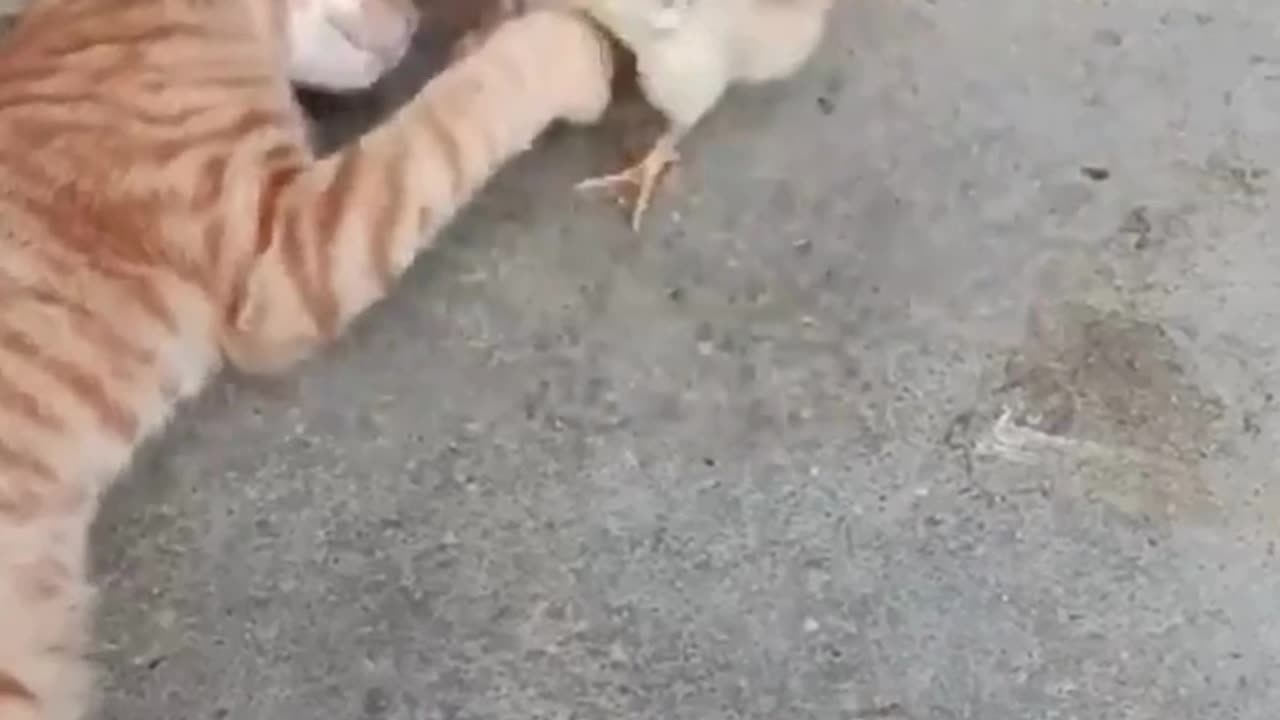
<point x="566" y="60"/>
<point x="485" y="18"/>
<point x="583" y="61"/>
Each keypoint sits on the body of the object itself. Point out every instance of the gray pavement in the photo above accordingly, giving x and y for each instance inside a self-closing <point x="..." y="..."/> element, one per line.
<point x="940" y="386"/>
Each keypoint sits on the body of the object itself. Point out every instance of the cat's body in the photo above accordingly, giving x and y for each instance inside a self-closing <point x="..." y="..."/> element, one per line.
<point x="160" y="210"/>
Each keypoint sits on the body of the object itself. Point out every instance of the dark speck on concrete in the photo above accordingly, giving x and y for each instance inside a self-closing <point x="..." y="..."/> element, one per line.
<point x="1095" y="173"/>
<point x="377" y="703"/>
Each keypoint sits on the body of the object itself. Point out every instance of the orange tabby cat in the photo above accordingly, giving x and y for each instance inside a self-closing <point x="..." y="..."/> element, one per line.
<point x="160" y="211"/>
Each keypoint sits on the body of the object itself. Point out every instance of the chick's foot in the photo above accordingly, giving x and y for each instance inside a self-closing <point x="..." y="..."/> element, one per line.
<point x="642" y="179"/>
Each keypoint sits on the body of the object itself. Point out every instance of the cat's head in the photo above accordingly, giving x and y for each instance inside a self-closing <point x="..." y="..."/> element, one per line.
<point x="340" y="45"/>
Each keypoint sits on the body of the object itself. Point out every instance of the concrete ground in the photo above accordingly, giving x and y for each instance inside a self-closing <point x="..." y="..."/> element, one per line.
<point x="940" y="386"/>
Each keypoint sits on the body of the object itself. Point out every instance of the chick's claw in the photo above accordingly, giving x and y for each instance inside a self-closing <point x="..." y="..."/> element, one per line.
<point x="642" y="179"/>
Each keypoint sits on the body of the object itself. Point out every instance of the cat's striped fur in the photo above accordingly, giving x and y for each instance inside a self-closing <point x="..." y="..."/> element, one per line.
<point x="160" y="210"/>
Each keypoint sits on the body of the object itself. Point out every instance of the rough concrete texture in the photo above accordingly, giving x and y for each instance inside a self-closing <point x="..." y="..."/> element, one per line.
<point x="940" y="386"/>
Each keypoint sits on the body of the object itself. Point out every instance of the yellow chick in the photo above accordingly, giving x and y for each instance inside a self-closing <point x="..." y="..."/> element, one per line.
<point x="688" y="54"/>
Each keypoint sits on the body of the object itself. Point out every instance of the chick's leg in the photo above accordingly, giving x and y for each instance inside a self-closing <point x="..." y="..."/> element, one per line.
<point x="682" y="74"/>
<point x="643" y="178"/>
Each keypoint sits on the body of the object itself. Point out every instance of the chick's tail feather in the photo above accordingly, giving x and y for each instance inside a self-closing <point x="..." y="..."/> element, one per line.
<point x="777" y="37"/>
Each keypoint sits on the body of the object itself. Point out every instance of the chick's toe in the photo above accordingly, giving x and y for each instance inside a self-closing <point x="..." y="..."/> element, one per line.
<point x="641" y="179"/>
